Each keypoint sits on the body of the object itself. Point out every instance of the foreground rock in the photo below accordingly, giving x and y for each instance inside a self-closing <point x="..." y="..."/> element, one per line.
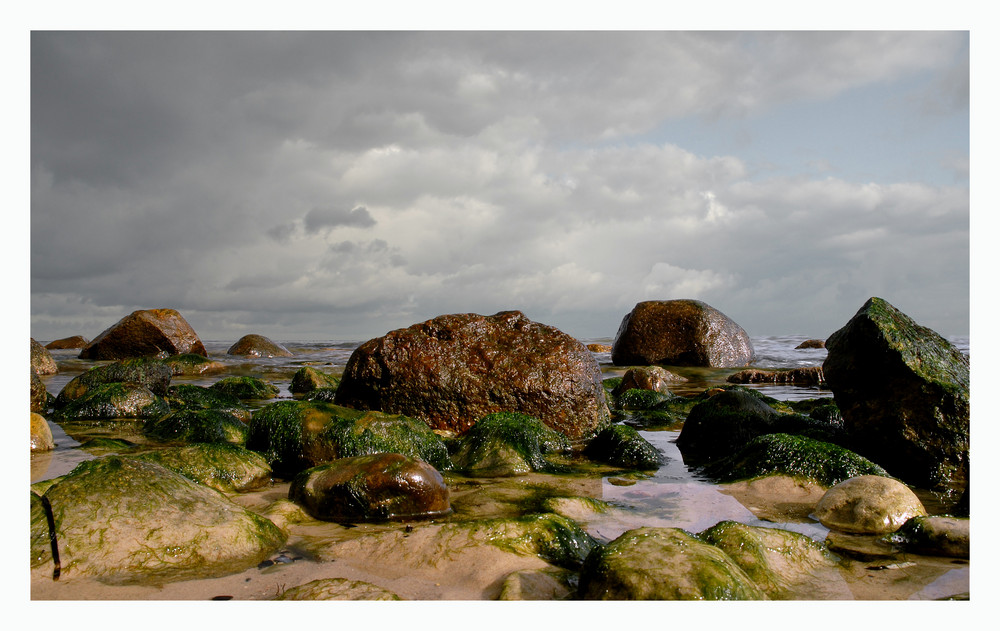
<point x="680" y="333"/>
<point x="42" y="362"/>
<point x="151" y="332"/>
<point x="623" y="446"/>
<point x="197" y="426"/>
<point x="337" y="589"/>
<point x="113" y="401"/>
<point x="224" y="467"/>
<point x="122" y="519"/>
<point x="254" y="345"/>
<point x="506" y="443"/>
<point x="455" y="369"/>
<point x="903" y="391"/>
<point x="152" y="374"/>
<point x="939" y="535"/>
<point x="663" y="564"/>
<point x="41" y="434"/>
<point x="868" y="505"/>
<point x="76" y="341"/>
<point x="380" y="487"/>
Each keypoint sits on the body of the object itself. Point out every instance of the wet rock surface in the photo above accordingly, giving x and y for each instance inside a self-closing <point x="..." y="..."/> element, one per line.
<point x="75" y="341"/>
<point x="508" y="443"/>
<point x="42" y="362"/>
<point x="151" y="332"/>
<point x="254" y="345"/>
<point x="868" y="504"/>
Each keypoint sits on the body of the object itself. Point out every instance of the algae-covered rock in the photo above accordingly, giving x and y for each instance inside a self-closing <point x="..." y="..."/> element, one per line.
<point x="537" y="585"/>
<point x="190" y="397"/>
<point x="654" y="378"/>
<point x="377" y="432"/>
<point x="148" y="332"/>
<point x="254" y="345"/>
<point x="192" y="364"/>
<point x="937" y="535"/>
<point x="508" y="443"/>
<point x="337" y="589"/>
<point x="326" y="395"/>
<point x="123" y="520"/>
<point x="795" y="456"/>
<point x="554" y="538"/>
<point x="663" y="564"/>
<point x="307" y="379"/>
<point x="197" y="426"/>
<point x="151" y="373"/>
<point x="637" y="399"/>
<point x="785" y="565"/>
<point x="111" y="401"/>
<point x="41" y="544"/>
<point x="41" y="434"/>
<point x="227" y="468"/>
<point x="379" y="487"/>
<point x="904" y="393"/>
<point x="680" y="333"/>
<point x="42" y="362"/>
<point x="246" y="387"/>
<point x="623" y="446"/>
<point x="868" y="504"/>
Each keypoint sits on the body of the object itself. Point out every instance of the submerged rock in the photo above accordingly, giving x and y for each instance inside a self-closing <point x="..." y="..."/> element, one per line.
<point x="455" y="369"/>
<point x="623" y="446"/>
<point x="868" y="504"/>
<point x="246" y="388"/>
<point x="122" y="519"/>
<point x="157" y="332"/>
<point x="938" y="535"/>
<point x="254" y="345"/>
<point x="308" y="379"/>
<point x="508" y="443"/>
<point x="337" y="589"/>
<point x="680" y="333"/>
<point x="76" y="341"/>
<point x="191" y="364"/>
<point x="904" y="393"/>
<point x="42" y="362"/>
<point x="380" y="487"/>
<point x="224" y="467"/>
<point x="663" y="564"/>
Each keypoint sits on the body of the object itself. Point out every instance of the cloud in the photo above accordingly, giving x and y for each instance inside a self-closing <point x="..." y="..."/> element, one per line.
<point x="324" y="219"/>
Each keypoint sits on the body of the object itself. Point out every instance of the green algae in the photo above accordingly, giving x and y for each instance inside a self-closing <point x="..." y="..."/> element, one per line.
<point x="148" y="372"/>
<point x="197" y="426"/>
<point x="221" y="466"/>
<point x="638" y="399"/>
<point x="553" y="538"/>
<point x="377" y="432"/>
<point x="623" y="446"/>
<point x="192" y="364"/>
<point x="113" y="400"/>
<point x="243" y="388"/>
<point x="509" y="443"/>
<point x="307" y="379"/>
<point x="198" y="397"/>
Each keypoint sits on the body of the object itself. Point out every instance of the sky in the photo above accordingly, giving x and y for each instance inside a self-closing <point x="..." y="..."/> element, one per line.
<point x="336" y="185"/>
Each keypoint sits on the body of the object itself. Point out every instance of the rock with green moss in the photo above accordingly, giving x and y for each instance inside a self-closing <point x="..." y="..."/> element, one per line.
<point x="113" y="401"/>
<point x="151" y="373"/>
<point x="246" y="388"/>
<point x="904" y="393"/>
<point x="868" y="504"/>
<point x="126" y="520"/>
<point x="41" y="434"/>
<point x="379" y="487"/>
<point x="637" y="399"/>
<point x="192" y="364"/>
<point x="508" y="443"/>
<point x="795" y="456"/>
<point x="554" y="538"/>
<point x="197" y="426"/>
<point x="41" y="545"/>
<point x="191" y="397"/>
<point x="337" y="589"/>
<point x="377" y="432"/>
<point x="307" y="379"/>
<point x="623" y="446"/>
<point x="663" y="564"/>
<point x="937" y="535"/>
<point x="785" y="565"/>
<point x="321" y="394"/>
<point x="227" y="468"/>
<point x="103" y="446"/>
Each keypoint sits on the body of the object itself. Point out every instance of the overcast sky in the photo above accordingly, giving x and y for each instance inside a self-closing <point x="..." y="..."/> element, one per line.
<point x="338" y="185"/>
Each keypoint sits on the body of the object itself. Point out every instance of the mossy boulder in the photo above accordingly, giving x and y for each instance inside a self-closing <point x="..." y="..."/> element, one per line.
<point x="224" y="467"/>
<point x="637" y="399"/>
<point x="623" y="446"/>
<point x="253" y="388"/>
<point x="377" y="432"/>
<point x="868" y="504"/>
<point x="42" y="361"/>
<point x="191" y="397"/>
<point x="379" y="487"/>
<point x="795" y="456"/>
<point x="337" y="589"/>
<point x="192" y="365"/>
<point x="126" y="520"/>
<point x="114" y="400"/>
<point x="307" y="379"/>
<point x="197" y="426"/>
<point x="663" y="564"/>
<point x="904" y="393"/>
<point x="785" y="565"/>
<point x="41" y="434"/>
<point x="150" y="373"/>
<point x="937" y="535"/>
<point x="143" y="333"/>
<point x="41" y="545"/>
<point x="508" y="443"/>
<point x="254" y="345"/>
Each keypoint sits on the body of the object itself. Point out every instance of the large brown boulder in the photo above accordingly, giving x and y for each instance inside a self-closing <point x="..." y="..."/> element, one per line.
<point x="254" y="345"/>
<point x="903" y="391"/>
<point x="76" y="341"/>
<point x="455" y="369"/>
<point x="145" y="332"/>
<point x="680" y="333"/>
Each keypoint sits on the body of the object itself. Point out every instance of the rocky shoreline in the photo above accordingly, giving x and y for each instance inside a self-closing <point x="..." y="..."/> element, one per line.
<point x="468" y="458"/>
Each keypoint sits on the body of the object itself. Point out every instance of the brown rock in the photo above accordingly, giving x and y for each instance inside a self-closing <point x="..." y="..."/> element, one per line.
<point x="39" y="393"/>
<point x="145" y="332"/>
<point x="77" y="341"/>
<point x="454" y="369"/>
<point x="599" y="348"/>
<point x="811" y="376"/>
<point x="258" y="346"/>
<point x="41" y="435"/>
<point x="42" y="362"/>
<point x="812" y="344"/>
<point x="652" y="378"/>
<point x="680" y="333"/>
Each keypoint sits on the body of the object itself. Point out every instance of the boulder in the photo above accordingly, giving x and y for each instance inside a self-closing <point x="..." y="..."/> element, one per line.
<point x="194" y="425"/>
<point x="811" y="376"/>
<point x="76" y="341"/>
<point x="258" y="346"/>
<point x="156" y="332"/>
<point x="937" y="535"/>
<point x="121" y="519"/>
<point x="663" y="564"/>
<point x="42" y="362"/>
<point x="337" y="589"/>
<point x="191" y="364"/>
<point x="377" y="488"/>
<point x="152" y="374"/>
<point x="868" y="504"/>
<point x="655" y="378"/>
<point x="224" y="467"/>
<point x="191" y="397"/>
<point x="252" y="388"/>
<point x="507" y="443"/>
<point x="307" y="379"/>
<point x="903" y="391"/>
<point x="623" y="446"/>
<point x="41" y="434"/>
<point x="455" y="369"/>
<point x="112" y="401"/>
<point x="39" y="394"/>
<point x="680" y="333"/>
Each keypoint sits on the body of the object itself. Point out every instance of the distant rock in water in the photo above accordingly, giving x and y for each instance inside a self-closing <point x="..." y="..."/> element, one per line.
<point x="812" y="344"/>
<point x="455" y="369"/>
<point x="903" y="391"/>
<point x="680" y="333"/>
<point x="159" y="332"/>
<point x="77" y="341"/>
<point x="253" y="345"/>
<point x="812" y="375"/>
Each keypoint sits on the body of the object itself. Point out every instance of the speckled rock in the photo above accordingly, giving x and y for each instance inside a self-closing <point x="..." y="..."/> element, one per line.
<point x="868" y="504"/>
<point x="156" y="332"/>
<point x="42" y="361"/>
<point x="254" y="345"/>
